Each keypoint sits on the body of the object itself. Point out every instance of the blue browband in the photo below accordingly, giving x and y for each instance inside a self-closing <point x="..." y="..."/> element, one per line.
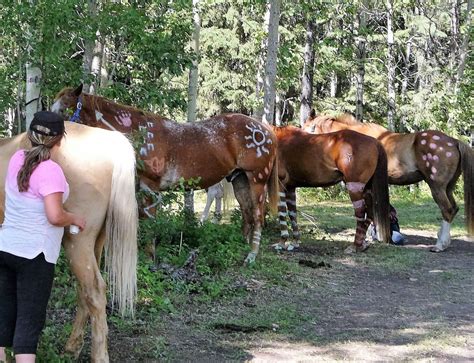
<point x="75" y="116"/>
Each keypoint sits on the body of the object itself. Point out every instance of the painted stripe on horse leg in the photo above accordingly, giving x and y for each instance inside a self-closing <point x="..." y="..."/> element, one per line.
<point x="355" y="187"/>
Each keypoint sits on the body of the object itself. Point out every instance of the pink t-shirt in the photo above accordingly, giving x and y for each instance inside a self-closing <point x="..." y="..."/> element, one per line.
<point x="26" y="231"/>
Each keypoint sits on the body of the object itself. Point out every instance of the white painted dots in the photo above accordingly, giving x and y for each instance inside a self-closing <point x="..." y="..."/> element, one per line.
<point x="438" y="151"/>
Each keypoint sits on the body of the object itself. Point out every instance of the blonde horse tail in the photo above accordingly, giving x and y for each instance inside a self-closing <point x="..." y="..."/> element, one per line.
<point x="380" y="196"/>
<point x="121" y="227"/>
<point x="467" y="165"/>
<point x="273" y="188"/>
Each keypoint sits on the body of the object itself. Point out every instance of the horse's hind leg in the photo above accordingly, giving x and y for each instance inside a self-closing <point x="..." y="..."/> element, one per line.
<point x="292" y="212"/>
<point x="282" y="214"/>
<point x="91" y="298"/>
<point x="257" y="195"/>
<point x="356" y="193"/>
<point x="241" y="192"/>
<point x="445" y="201"/>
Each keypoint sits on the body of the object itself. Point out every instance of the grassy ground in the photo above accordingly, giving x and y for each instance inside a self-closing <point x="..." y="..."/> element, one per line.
<point x="387" y="304"/>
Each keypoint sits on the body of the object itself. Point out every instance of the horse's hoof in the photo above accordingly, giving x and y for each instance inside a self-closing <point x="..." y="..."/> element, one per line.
<point x="436" y="249"/>
<point x="350" y="250"/>
<point x="279" y="246"/>
<point x="250" y="258"/>
<point x="292" y="246"/>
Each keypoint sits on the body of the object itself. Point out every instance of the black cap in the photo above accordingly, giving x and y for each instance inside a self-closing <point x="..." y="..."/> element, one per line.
<point x="47" y="123"/>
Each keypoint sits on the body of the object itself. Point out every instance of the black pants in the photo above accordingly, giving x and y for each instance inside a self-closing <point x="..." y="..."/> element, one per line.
<point x="25" y="287"/>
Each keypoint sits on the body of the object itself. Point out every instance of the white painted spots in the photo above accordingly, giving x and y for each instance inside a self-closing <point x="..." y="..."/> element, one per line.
<point x="427" y="164"/>
<point x="424" y="134"/>
<point x="433" y="170"/>
<point x="282" y="204"/>
<point x="435" y="157"/>
<point x="423" y="142"/>
<point x="150" y="147"/>
<point x="143" y="151"/>
<point x="266" y="171"/>
<point x="259" y="139"/>
<point x="282" y="194"/>
<point x="441" y="148"/>
<point x="449" y="154"/>
<point x="450" y="144"/>
<point x="430" y="156"/>
<point x="283" y="223"/>
<point x="260" y="176"/>
<point x="424" y="157"/>
<point x="433" y="145"/>
<point x="149" y="124"/>
<point x="436" y="137"/>
<point x="150" y="135"/>
<point x="282" y="214"/>
<point x="432" y="177"/>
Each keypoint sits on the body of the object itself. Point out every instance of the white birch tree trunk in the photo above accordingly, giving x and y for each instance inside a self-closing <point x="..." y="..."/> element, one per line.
<point x="193" y="89"/>
<point x="390" y="69"/>
<point x="33" y="90"/>
<point x="464" y="48"/>
<point x="259" y="85"/>
<point x="308" y="72"/>
<point x="271" y="63"/>
<point x="360" y="59"/>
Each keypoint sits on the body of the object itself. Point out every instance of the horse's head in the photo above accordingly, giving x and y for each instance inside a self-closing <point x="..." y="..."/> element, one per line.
<point x="312" y="124"/>
<point x="67" y="98"/>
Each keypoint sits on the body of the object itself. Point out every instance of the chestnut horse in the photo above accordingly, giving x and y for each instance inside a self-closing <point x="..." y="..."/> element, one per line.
<point x="232" y="145"/>
<point x="307" y="160"/>
<point x="100" y="168"/>
<point x="428" y="155"/>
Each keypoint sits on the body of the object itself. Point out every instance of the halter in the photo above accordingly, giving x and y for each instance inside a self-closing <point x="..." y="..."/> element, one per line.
<point x="75" y="116"/>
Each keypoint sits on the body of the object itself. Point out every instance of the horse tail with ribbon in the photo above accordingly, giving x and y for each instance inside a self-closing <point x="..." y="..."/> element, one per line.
<point x="121" y="229"/>
<point x="467" y="166"/>
<point x="380" y="196"/>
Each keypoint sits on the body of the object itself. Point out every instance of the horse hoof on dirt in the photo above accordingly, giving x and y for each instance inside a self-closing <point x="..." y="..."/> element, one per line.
<point x="292" y="246"/>
<point x="436" y="249"/>
<point x="250" y="258"/>
<point x="278" y="246"/>
<point x="350" y="250"/>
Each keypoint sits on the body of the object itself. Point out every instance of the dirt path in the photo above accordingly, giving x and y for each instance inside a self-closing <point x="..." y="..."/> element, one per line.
<point x="390" y="304"/>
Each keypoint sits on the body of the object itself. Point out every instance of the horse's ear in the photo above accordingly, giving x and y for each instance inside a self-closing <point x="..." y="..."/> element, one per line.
<point x="78" y="90"/>
<point x="312" y="114"/>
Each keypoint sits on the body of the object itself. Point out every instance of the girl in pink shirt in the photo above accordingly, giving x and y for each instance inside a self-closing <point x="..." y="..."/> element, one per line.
<point x="30" y="238"/>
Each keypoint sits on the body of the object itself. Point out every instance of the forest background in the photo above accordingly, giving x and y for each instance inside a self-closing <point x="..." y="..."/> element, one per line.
<point x="402" y="63"/>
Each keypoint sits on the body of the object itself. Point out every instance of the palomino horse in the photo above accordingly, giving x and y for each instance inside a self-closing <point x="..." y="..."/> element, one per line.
<point x="307" y="160"/>
<point x="100" y="168"/>
<point x="230" y="145"/>
<point x="429" y="155"/>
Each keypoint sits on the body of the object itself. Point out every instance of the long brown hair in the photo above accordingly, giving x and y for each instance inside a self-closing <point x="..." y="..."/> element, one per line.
<point x="40" y="152"/>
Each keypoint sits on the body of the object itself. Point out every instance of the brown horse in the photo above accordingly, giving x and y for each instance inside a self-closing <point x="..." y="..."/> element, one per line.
<point x="230" y="145"/>
<point x="307" y="160"/>
<point x="428" y="155"/>
<point x="100" y="168"/>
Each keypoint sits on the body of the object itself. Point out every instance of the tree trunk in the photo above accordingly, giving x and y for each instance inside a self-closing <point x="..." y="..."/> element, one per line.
<point x="360" y="60"/>
<point x="258" y="111"/>
<point x="33" y="90"/>
<point x="333" y="84"/>
<point x="464" y="49"/>
<point x="390" y="69"/>
<point x="308" y="71"/>
<point x="271" y="63"/>
<point x="193" y="89"/>
<point x="92" y="55"/>
<point x="406" y="77"/>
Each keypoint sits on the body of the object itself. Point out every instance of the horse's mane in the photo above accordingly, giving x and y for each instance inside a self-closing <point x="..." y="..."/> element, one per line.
<point x="347" y="118"/>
